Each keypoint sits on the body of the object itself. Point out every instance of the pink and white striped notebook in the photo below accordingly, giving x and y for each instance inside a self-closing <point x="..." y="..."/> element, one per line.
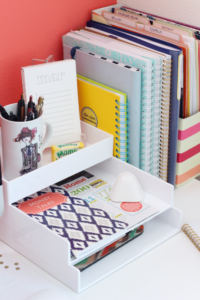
<point x="188" y="150"/>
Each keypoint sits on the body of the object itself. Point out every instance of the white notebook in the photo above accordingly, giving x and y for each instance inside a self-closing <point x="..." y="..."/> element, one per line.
<point x="56" y="82"/>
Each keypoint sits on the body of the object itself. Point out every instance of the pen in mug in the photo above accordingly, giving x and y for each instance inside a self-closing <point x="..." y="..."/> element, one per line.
<point x="30" y="105"/>
<point x="33" y="111"/>
<point x="19" y="109"/>
<point x="22" y="115"/>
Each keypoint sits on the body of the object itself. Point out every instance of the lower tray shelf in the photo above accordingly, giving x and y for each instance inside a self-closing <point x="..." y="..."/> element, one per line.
<point x="155" y="232"/>
<point x="52" y="252"/>
<point x="53" y="257"/>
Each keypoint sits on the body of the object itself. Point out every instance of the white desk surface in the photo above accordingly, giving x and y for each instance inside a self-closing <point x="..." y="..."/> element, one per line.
<point x="169" y="271"/>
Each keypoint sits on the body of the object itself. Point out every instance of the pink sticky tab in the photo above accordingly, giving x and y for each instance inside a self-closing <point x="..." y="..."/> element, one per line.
<point x="42" y="203"/>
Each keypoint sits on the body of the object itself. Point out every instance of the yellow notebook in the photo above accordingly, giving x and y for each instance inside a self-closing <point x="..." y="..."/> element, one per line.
<point x="106" y="109"/>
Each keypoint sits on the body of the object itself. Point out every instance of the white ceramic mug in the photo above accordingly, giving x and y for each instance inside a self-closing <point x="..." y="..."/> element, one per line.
<point x="22" y="144"/>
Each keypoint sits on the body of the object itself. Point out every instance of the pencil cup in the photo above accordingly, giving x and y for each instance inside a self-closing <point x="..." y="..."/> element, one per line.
<point x="23" y="144"/>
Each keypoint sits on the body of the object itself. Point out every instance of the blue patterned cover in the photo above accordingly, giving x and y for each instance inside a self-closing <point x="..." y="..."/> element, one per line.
<point x="76" y="221"/>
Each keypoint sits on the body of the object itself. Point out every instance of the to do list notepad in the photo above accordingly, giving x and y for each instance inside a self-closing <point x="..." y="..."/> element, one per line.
<point x="57" y="83"/>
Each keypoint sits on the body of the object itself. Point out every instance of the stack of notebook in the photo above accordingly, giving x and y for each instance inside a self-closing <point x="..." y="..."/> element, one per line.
<point x="151" y="68"/>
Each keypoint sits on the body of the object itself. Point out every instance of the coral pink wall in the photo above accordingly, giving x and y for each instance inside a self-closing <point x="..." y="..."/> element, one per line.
<point x="33" y="29"/>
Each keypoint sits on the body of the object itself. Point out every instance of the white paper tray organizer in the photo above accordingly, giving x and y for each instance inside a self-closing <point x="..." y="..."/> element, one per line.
<point x="52" y="252"/>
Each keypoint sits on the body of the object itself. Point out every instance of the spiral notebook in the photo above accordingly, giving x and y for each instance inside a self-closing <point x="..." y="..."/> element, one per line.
<point x="117" y="76"/>
<point x="192" y="230"/>
<point x="120" y="55"/>
<point x="150" y="121"/>
<point x="155" y="117"/>
<point x="105" y="108"/>
<point x="169" y="102"/>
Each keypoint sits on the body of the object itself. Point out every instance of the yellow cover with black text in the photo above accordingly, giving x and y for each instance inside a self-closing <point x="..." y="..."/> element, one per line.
<point x="106" y="109"/>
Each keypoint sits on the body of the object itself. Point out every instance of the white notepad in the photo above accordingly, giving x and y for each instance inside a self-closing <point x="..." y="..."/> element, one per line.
<point x="56" y="82"/>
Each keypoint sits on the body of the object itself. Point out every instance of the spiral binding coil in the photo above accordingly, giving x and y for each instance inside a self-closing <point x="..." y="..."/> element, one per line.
<point x="156" y="108"/>
<point x="165" y="117"/>
<point x="187" y="229"/>
<point x="155" y="119"/>
<point x="146" y="119"/>
<point x="161" y="119"/>
<point x="122" y="140"/>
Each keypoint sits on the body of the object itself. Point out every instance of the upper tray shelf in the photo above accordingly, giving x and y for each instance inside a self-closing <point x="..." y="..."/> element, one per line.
<point x="99" y="147"/>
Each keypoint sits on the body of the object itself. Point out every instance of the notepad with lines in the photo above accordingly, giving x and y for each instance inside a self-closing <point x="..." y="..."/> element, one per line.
<point x="56" y="82"/>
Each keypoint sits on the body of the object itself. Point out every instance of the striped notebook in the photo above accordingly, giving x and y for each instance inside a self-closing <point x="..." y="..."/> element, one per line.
<point x="105" y="108"/>
<point x="188" y="150"/>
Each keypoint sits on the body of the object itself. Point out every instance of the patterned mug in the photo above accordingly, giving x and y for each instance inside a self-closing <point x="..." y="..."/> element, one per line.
<point x="23" y="144"/>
